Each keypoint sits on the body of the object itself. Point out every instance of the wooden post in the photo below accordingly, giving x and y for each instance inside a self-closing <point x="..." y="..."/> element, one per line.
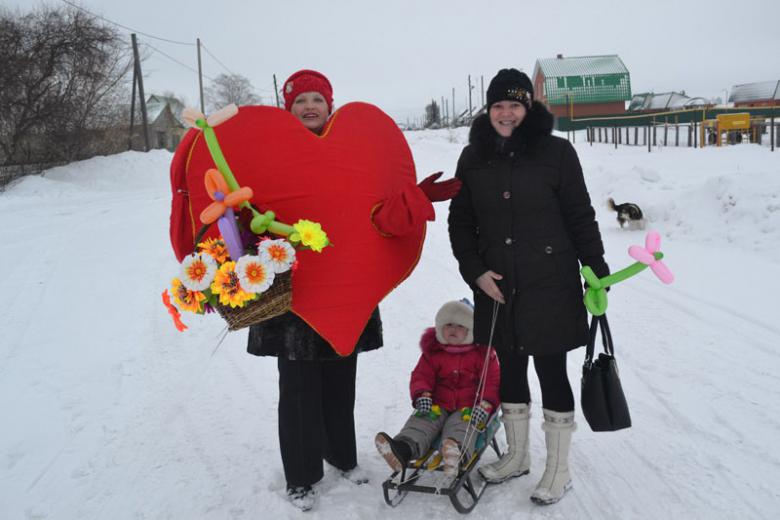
<point x="615" y="136"/>
<point x="599" y="134"/>
<point x="140" y="77"/>
<point x="647" y="133"/>
<point x="619" y="135"/>
<point x="666" y="132"/>
<point x="200" y="81"/>
<point x="636" y="135"/>
<point x="655" y="142"/>
<point x="676" y="134"/>
<point x="628" y="141"/>
<point x="772" y="132"/>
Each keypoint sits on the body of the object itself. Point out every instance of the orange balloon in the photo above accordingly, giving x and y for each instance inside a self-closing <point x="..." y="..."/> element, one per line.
<point x="215" y="182"/>
<point x="212" y="212"/>
<point x="238" y="197"/>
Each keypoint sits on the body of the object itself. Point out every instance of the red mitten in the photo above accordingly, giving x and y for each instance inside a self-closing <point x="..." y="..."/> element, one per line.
<point x="438" y="191"/>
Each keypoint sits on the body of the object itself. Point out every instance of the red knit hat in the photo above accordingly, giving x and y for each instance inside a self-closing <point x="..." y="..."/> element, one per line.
<point x="307" y="81"/>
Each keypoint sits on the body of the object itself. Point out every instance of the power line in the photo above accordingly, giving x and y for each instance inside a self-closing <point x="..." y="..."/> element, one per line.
<point x="175" y="60"/>
<point x="75" y="6"/>
<point x="216" y="59"/>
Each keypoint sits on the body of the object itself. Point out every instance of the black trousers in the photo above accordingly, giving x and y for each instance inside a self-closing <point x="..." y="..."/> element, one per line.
<point x="551" y="370"/>
<point x="316" y="417"/>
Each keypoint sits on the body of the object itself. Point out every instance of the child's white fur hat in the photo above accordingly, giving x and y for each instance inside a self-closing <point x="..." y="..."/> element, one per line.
<point x="458" y="313"/>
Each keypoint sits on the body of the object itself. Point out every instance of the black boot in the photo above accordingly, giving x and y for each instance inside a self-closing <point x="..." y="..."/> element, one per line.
<point x="397" y="453"/>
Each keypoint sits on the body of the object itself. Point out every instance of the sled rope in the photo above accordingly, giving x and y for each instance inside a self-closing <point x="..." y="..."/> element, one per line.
<point x="470" y="429"/>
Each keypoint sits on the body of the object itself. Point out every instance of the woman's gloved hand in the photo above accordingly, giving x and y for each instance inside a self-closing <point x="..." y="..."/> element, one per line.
<point x="438" y="191"/>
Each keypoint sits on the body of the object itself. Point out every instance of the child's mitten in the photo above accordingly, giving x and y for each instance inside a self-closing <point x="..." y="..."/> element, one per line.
<point x="480" y="414"/>
<point x="423" y="405"/>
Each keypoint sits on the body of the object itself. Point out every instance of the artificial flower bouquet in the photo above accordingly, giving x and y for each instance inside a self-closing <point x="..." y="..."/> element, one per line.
<point x="251" y="289"/>
<point x="246" y="285"/>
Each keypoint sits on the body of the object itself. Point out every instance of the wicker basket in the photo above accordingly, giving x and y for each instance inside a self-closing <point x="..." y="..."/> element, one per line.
<point x="274" y="302"/>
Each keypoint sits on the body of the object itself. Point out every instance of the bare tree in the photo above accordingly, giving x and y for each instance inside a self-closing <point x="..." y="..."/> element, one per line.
<point x="62" y="74"/>
<point x="230" y="88"/>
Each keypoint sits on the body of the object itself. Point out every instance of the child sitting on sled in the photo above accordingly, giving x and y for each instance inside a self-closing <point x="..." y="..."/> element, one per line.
<point x="444" y="389"/>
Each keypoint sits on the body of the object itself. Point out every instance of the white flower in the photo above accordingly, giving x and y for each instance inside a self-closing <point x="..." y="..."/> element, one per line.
<point x="197" y="271"/>
<point x="278" y="253"/>
<point x="255" y="275"/>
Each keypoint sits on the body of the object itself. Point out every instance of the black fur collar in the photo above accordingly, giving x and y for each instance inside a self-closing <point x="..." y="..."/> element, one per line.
<point x="487" y="143"/>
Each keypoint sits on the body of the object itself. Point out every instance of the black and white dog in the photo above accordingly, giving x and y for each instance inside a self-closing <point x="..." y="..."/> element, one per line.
<point x="628" y="213"/>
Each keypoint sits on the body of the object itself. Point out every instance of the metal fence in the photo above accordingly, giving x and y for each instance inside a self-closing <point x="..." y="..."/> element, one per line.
<point x="8" y="174"/>
<point x="691" y="134"/>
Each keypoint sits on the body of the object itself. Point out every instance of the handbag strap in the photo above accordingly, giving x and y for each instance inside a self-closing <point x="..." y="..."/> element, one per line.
<point x="606" y="337"/>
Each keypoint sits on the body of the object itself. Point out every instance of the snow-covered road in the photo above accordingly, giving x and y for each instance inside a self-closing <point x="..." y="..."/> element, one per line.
<point x="109" y="412"/>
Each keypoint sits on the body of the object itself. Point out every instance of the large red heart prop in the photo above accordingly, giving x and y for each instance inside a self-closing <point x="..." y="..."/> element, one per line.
<point x="335" y="179"/>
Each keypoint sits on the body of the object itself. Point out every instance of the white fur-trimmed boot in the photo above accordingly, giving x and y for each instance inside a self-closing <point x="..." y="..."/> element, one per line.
<point x="516" y="462"/>
<point x="558" y="428"/>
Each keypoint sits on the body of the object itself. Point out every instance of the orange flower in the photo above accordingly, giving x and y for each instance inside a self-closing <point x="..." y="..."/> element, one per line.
<point x="227" y="285"/>
<point x="254" y="275"/>
<point x="216" y="248"/>
<point x="278" y="253"/>
<point x="191" y="301"/>
<point x="197" y="271"/>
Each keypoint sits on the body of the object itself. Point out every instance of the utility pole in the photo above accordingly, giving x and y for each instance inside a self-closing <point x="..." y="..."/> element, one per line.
<point x="139" y="76"/>
<point x="132" y="112"/>
<point x="200" y="81"/>
<point x="276" y="91"/>
<point x="454" y="114"/>
<point x="470" y="87"/>
<point x="482" y="82"/>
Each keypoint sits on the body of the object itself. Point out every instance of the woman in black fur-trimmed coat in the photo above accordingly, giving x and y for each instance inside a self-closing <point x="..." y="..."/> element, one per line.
<point x="520" y="227"/>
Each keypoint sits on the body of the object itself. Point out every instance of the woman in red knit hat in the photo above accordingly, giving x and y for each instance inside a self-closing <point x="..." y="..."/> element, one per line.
<point x="316" y="385"/>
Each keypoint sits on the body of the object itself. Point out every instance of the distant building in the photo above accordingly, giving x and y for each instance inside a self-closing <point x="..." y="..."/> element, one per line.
<point x="165" y="125"/>
<point x="582" y="85"/>
<point x="649" y="102"/>
<point x="762" y="94"/>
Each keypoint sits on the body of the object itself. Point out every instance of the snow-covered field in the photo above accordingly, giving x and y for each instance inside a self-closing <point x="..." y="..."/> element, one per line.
<point x="109" y="413"/>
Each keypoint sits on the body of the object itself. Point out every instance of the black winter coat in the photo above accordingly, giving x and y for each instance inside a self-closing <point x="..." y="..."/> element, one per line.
<point x="524" y="212"/>
<point x="290" y="337"/>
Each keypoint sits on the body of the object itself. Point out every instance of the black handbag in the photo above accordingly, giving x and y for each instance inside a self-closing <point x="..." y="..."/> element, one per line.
<point x="602" y="399"/>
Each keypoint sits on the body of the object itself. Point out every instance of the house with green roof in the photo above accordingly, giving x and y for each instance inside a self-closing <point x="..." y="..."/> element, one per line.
<point x="581" y="86"/>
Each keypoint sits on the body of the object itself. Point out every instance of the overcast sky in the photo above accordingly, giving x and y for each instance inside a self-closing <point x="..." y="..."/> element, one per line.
<point x="401" y="54"/>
